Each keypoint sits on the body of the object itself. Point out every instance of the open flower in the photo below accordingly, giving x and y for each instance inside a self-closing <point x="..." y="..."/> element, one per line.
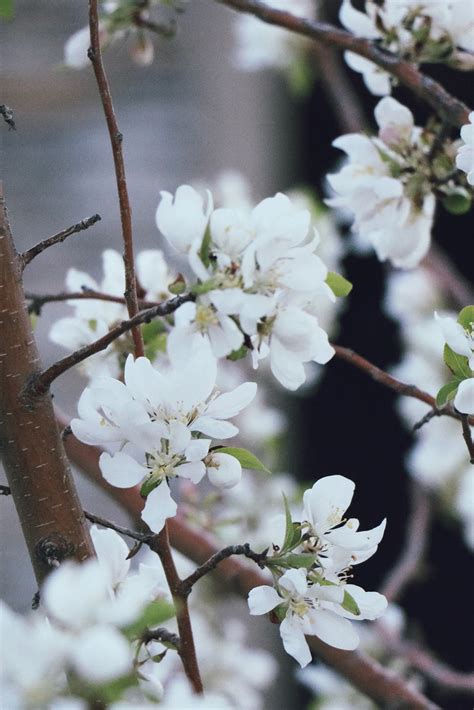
<point x="459" y="339"/>
<point x="465" y="154"/>
<point x="183" y="220"/>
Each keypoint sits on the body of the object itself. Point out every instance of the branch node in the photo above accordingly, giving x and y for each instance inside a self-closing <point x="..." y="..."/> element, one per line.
<point x="53" y="549"/>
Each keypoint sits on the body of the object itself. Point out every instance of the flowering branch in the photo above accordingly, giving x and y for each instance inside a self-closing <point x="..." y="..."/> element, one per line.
<point x="40" y="383"/>
<point x="30" y="254"/>
<point x="363" y="672"/>
<point x="416" y="539"/>
<point x="116" y="139"/>
<point x="449" y="108"/>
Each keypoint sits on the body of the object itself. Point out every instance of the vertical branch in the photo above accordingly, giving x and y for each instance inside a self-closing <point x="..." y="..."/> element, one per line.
<point x="35" y="462"/>
<point x="116" y="139"/>
<point x="161" y="545"/>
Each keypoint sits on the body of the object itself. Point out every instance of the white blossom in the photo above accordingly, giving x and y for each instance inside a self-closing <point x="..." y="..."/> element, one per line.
<point x="459" y="339"/>
<point x="374" y="186"/>
<point x="183" y="220"/>
<point x="464" y="399"/>
<point x="465" y="154"/>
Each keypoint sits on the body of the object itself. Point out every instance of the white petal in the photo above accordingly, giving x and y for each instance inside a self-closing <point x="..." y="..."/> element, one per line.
<point x="333" y="630"/>
<point x="197" y="449"/>
<point x="327" y="501"/>
<point x="121" y="470"/>
<point x="159" y="507"/>
<point x="214" y="428"/>
<point x="101" y="654"/>
<point x="231" y="403"/>
<point x="464" y="399"/>
<point x="294" y="642"/>
<point x="263" y="599"/>
<point x="294" y="581"/>
<point x="352" y="540"/>
<point x="112" y="552"/>
<point x="371" y="604"/>
<point x="194" y="471"/>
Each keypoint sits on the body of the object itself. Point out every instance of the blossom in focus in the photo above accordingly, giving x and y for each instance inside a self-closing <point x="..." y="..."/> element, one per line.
<point x="376" y="184"/>
<point x="465" y="154"/>
<point x="182" y="220"/>
<point x="152" y="427"/>
<point x="464" y="399"/>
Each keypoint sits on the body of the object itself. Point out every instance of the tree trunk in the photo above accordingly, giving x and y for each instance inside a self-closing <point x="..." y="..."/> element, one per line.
<point x="37" y="469"/>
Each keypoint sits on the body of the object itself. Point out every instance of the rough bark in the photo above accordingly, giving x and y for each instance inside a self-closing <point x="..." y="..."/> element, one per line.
<point x="36" y="465"/>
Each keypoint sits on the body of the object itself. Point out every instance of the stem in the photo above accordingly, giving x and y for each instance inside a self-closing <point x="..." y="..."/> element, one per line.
<point x="38" y="300"/>
<point x="40" y="383"/>
<point x="160" y="544"/>
<point x="466" y="432"/>
<point x="449" y="108"/>
<point x="37" y="469"/>
<point x="30" y="254"/>
<point x="259" y="557"/>
<point x="116" y="139"/>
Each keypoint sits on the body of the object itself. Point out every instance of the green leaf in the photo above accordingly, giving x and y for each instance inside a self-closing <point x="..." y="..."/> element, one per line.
<point x="350" y="604"/>
<point x="204" y="287"/>
<point x="113" y="691"/>
<point x="154" y="614"/>
<point x="148" y="486"/>
<point x="246" y="458"/>
<point x="205" y="249"/>
<point x="292" y="530"/>
<point x="338" y="284"/>
<point x="156" y="346"/>
<point x="6" y="9"/>
<point x="466" y="318"/>
<point x="447" y="393"/>
<point x="458" y="364"/>
<point x="458" y="201"/>
<point x="297" y="560"/>
<point x="238" y="354"/>
<point x="300" y="77"/>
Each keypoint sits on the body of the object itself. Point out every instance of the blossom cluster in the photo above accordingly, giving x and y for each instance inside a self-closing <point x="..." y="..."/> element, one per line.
<point x="313" y="597"/>
<point x="155" y="426"/>
<point x="260" y="282"/>
<point x="416" y="30"/>
<point x="390" y="185"/>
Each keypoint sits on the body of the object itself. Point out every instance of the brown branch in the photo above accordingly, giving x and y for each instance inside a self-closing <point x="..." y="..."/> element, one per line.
<point x="36" y="466"/>
<point x="416" y="540"/>
<point x="116" y="138"/>
<point x="98" y="520"/>
<point x="30" y="254"/>
<point x="162" y="635"/>
<point x="383" y="378"/>
<point x="40" y="383"/>
<point x="466" y="432"/>
<point x="448" y="107"/>
<point x="38" y="300"/>
<point x="258" y="557"/>
<point x="187" y="652"/>
<point x="366" y="674"/>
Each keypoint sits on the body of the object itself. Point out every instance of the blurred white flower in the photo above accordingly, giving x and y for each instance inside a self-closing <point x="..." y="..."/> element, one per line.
<point x="465" y="154"/>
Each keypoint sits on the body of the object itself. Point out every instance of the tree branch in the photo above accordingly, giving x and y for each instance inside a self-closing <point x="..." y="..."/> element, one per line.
<point x="259" y="557"/>
<point x="466" y="432"/>
<point x="40" y="383"/>
<point x="448" y="107"/>
<point x="392" y="383"/>
<point x="163" y="636"/>
<point x="116" y="139"/>
<point x="30" y="254"/>
<point x="416" y="540"/>
<point x="38" y="300"/>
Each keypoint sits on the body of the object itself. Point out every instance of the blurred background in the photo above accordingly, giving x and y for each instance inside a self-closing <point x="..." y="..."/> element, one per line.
<point x="189" y="116"/>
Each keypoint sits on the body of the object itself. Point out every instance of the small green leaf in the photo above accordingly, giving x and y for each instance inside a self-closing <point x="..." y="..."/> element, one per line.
<point x="447" y="393"/>
<point x="466" y="318"/>
<point x="292" y="530"/>
<point x="295" y="560"/>
<point x="92" y="324"/>
<point x="238" y="354"/>
<point x="350" y="604"/>
<point x="338" y="284"/>
<point x="154" y="614"/>
<point x="458" y="201"/>
<point x="458" y="364"/>
<point x="178" y="286"/>
<point x="205" y="249"/>
<point x="113" y="691"/>
<point x="246" y="458"/>
<point x="204" y="287"/>
<point x="148" y="486"/>
<point x="6" y="9"/>
<point x="156" y="346"/>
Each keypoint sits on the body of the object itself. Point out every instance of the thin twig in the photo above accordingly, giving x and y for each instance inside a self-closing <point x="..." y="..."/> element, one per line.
<point x="163" y="636"/>
<point x="96" y="519"/>
<point x="40" y="384"/>
<point x="428" y="417"/>
<point x="116" y="139"/>
<point x="449" y="108"/>
<point x="467" y="435"/>
<point x="210" y="564"/>
<point x="416" y="540"/>
<point x="30" y="254"/>
<point x="38" y="300"/>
